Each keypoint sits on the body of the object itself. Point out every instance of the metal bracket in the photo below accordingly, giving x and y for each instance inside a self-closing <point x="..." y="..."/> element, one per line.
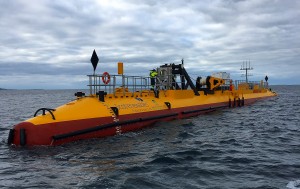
<point x="101" y="95"/>
<point x="115" y="110"/>
<point x="168" y="104"/>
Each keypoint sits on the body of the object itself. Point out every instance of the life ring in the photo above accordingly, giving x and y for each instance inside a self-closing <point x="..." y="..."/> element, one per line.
<point x="105" y="78"/>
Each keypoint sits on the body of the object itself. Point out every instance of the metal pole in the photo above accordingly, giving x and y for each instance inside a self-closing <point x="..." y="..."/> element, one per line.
<point x="90" y="81"/>
<point x="114" y="85"/>
<point x="123" y="84"/>
<point x="246" y="75"/>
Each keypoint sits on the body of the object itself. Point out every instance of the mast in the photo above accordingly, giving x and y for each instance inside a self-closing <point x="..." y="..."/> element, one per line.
<point x="246" y="66"/>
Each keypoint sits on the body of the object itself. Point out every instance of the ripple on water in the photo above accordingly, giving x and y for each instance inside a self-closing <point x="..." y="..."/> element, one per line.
<point x="254" y="146"/>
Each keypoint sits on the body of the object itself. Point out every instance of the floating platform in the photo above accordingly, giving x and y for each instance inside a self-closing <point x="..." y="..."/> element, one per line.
<point x="118" y="104"/>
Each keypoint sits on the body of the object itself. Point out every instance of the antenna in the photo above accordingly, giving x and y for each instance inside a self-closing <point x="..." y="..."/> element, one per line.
<point x="246" y="67"/>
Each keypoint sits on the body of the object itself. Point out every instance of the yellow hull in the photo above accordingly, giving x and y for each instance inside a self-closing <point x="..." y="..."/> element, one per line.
<point x="87" y="117"/>
<point x="91" y="107"/>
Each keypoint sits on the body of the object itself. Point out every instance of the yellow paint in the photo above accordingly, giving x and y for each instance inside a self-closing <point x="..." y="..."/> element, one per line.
<point x="180" y="94"/>
<point x="137" y="102"/>
<point x="82" y="108"/>
<point x="120" y="68"/>
<point x="215" y="82"/>
<point x="243" y="86"/>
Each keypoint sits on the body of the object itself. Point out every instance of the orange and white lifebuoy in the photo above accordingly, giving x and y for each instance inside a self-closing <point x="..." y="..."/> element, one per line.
<point x="105" y="78"/>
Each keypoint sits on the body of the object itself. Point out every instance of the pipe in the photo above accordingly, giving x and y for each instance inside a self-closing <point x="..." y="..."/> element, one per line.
<point x="109" y="125"/>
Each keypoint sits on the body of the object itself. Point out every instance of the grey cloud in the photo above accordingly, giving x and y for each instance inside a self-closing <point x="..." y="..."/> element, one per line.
<point x="56" y="38"/>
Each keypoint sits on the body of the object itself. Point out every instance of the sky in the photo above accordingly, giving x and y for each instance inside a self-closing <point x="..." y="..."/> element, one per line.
<point x="48" y="44"/>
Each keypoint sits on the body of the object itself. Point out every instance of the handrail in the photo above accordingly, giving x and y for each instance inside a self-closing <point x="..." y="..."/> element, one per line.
<point x="261" y="84"/>
<point x="44" y="112"/>
<point x="134" y="83"/>
<point x="139" y="84"/>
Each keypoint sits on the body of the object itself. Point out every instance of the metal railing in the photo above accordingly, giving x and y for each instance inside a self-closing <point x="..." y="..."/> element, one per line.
<point x="132" y="84"/>
<point x="122" y="82"/>
<point x="261" y="84"/>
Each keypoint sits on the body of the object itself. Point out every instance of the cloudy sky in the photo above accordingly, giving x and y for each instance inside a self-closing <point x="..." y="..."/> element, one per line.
<point x="48" y="44"/>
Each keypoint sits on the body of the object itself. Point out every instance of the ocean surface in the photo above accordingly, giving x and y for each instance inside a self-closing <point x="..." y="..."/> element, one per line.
<point x="255" y="146"/>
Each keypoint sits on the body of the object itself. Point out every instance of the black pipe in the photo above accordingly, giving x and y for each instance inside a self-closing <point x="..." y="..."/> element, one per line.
<point x="204" y="109"/>
<point x="11" y="135"/>
<point x="109" y="125"/>
<point x="22" y="137"/>
<point x="158" y="117"/>
<point x="194" y="111"/>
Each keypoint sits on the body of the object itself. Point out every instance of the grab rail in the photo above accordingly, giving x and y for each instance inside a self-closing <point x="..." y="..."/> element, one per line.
<point x="44" y="112"/>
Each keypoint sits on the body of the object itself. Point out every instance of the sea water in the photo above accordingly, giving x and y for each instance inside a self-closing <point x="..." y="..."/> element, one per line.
<point x="256" y="146"/>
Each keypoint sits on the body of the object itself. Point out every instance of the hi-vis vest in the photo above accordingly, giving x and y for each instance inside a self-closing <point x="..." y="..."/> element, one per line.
<point x="153" y="74"/>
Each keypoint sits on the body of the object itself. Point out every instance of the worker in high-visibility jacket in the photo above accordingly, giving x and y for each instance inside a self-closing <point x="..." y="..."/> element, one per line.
<point x="153" y="74"/>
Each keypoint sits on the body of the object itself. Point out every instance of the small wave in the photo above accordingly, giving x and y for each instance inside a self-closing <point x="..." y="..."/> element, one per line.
<point x="189" y="152"/>
<point x="3" y="141"/>
<point x="144" y="182"/>
<point x="274" y="129"/>
<point x="188" y="124"/>
<point x="137" y="169"/>
<point x="164" y="160"/>
<point x="293" y="184"/>
<point x="185" y="135"/>
<point x="229" y="141"/>
<point x="242" y="160"/>
<point x="155" y="139"/>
